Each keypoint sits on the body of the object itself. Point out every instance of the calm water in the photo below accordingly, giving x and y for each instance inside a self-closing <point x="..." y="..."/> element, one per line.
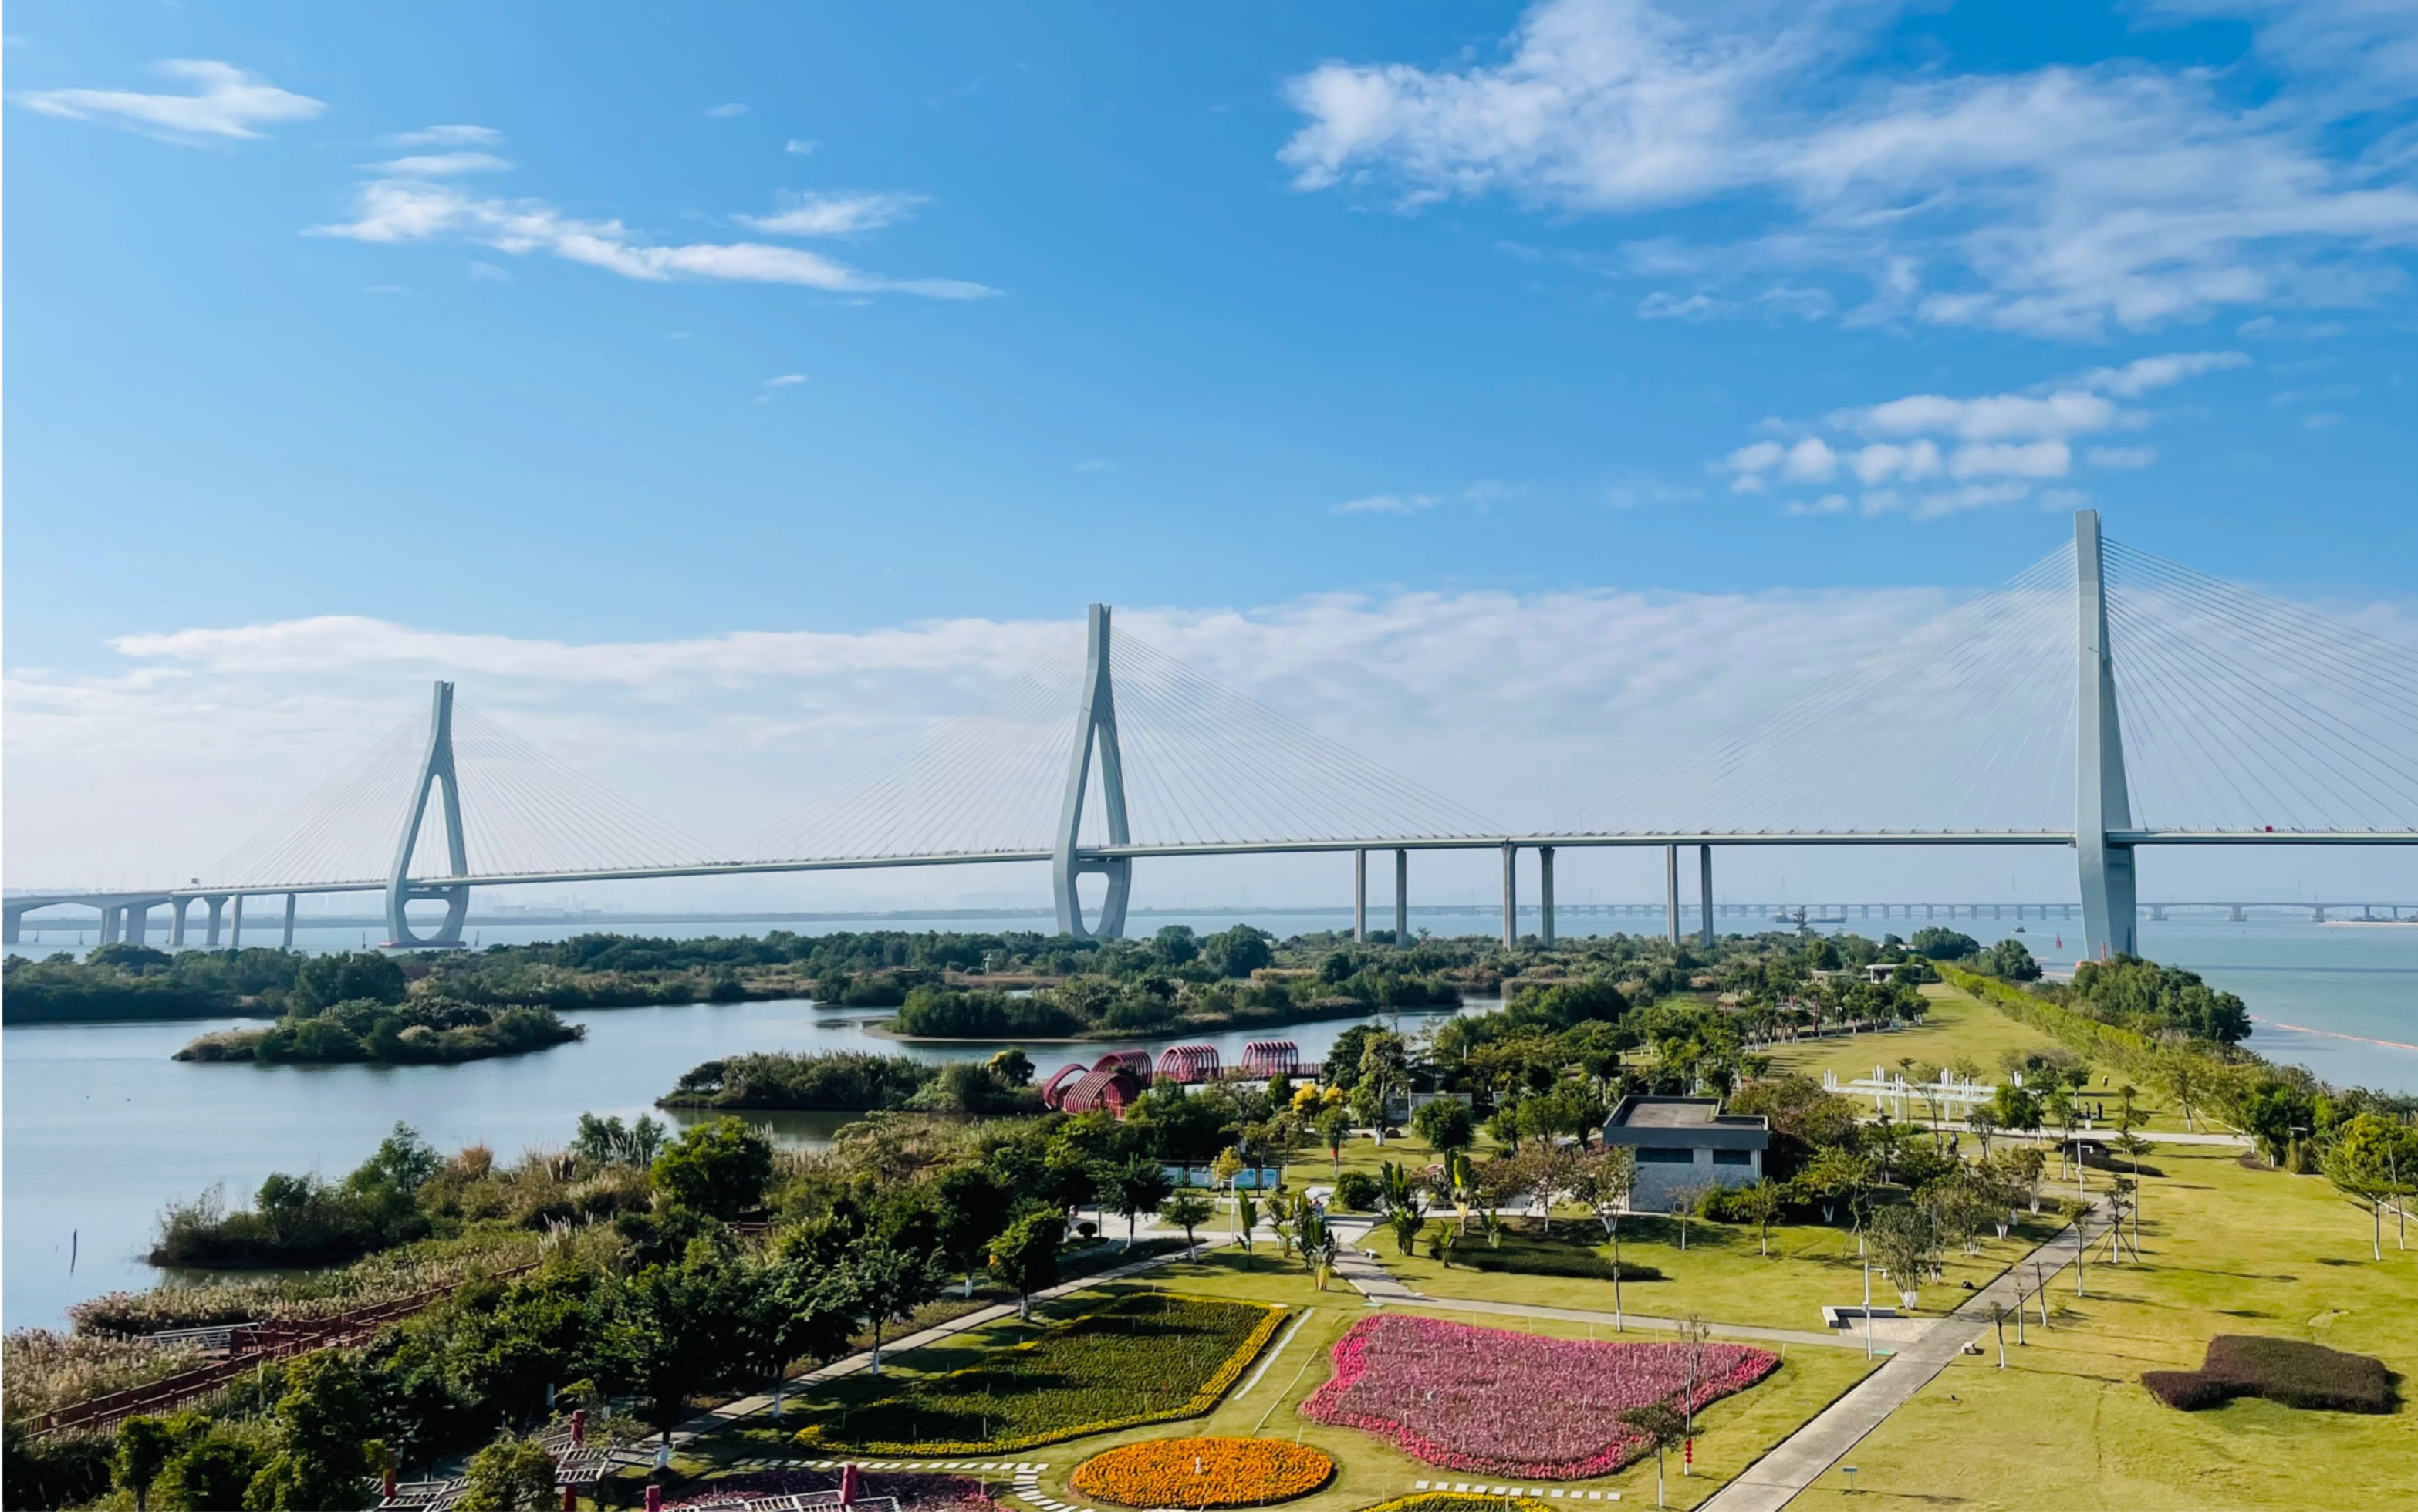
<point x="103" y="1129"/>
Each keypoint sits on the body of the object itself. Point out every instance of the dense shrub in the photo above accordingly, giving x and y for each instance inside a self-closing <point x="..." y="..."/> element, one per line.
<point x="1356" y="1191"/>
<point x="936" y="1012"/>
<point x="137" y="982"/>
<point x="423" y="1030"/>
<point x="2288" y="1370"/>
<point x="826" y="1080"/>
<point x="1528" y="1254"/>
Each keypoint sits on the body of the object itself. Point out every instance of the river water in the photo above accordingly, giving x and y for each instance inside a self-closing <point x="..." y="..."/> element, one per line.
<point x="103" y="1129"/>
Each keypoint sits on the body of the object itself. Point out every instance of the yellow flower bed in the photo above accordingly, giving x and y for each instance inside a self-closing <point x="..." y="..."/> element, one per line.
<point x="1203" y="1472"/>
<point x="1460" y="1502"/>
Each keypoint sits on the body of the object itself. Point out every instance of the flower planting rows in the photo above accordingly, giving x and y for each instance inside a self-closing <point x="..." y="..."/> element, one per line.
<point x="1495" y="1402"/>
<point x="1149" y="1358"/>
<point x="1203" y="1472"/>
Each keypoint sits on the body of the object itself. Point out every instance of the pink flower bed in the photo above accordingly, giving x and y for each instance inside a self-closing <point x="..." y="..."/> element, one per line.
<point x="1501" y="1403"/>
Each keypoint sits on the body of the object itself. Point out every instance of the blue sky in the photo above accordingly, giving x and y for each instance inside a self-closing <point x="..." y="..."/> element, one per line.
<point x="619" y="328"/>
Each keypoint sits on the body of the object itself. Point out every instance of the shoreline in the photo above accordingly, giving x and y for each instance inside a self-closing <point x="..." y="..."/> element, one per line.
<point x="882" y="1030"/>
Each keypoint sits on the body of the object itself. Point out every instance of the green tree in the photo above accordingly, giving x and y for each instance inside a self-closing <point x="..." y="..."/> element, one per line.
<point x="1904" y="1245"/>
<point x="324" y="1421"/>
<point x="1188" y="1208"/>
<point x="511" y="1474"/>
<point x="718" y="1169"/>
<point x="1759" y="1204"/>
<point x="2016" y="1108"/>
<point x="974" y="1210"/>
<point x="1247" y="1218"/>
<point x="2012" y="959"/>
<point x="1136" y="1187"/>
<point x="345" y="976"/>
<point x="1385" y="1070"/>
<point x="1012" y="1068"/>
<point x="1026" y="1254"/>
<point x="1405" y="1204"/>
<point x="1662" y="1427"/>
<point x="1446" y="1125"/>
<point x="145" y="1447"/>
<point x="890" y="1283"/>
<point x="211" y="1474"/>
<point x="1334" y="1129"/>
<point x="2373" y="1160"/>
<point x="672" y="1330"/>
<point x="1237" y="951"/>
<point x="1943" y="944"/>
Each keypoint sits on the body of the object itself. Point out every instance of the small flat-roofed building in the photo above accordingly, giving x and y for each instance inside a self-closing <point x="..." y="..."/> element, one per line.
<point x="1686" y="1144"/>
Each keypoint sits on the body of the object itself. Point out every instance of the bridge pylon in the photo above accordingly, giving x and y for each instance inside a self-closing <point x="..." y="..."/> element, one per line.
<point x="1095" y="732"/>
<point x="2110" y="916"/>
<point x="436" y="767"/>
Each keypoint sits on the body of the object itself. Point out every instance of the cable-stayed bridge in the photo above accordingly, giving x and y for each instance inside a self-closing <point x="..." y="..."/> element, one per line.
<point x="2101" y="700"/>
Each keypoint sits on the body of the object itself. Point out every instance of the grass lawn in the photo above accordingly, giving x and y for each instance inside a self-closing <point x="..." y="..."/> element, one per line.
<point x="1731" y="1433"/>
<point x="2068" y="1424"/>
<point x="1960" y="1025"/>
<point x="1722" y="1273"/>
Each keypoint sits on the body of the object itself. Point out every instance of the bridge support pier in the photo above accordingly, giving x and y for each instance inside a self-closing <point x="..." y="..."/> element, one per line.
<point x="1511" y="898"/>
<point x="1360" y="897"/>
<point x="11" y="925"/>
<point x="177" y="907"/>
<point x="1671" y="893"/>
<point x="287" y="944"/>
<point x="1705" y="889"/>
<point x="1545" y="893"/>
<point x="218" y="905"/>
<point x="1401" y="899"/>
<point x="234" y="925"/>
<point x="2111" y="918"/>
<point x="138" y="923"/>
<point x="1096" y="728"/>
<point x="436" y="766"/>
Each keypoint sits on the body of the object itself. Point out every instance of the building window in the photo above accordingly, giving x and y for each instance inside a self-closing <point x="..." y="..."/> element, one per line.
<point x="1652" y="1156"/>
<point x="1732" y="1157"/>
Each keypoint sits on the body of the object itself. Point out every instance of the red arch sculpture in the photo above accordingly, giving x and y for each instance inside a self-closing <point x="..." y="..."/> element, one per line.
<point x="1183" y="1063"/>
<point x="1134" y="1063"/>
<point x="1272" y="1058"/>
<point x="1110" y="1091"/>
<point x="1054" y="1089"/>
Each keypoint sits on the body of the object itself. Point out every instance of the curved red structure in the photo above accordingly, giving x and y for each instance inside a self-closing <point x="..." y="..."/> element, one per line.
<point x="1272" y="1058"/>
<point x="1134" y="1063"/>
<point x="1184" y="1064"/>
<point x="1064" y="1076"/>
<point x="1110" y="1091"/>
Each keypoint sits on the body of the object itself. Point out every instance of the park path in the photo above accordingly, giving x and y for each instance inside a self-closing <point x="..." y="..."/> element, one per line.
<point x="1800" y="1460"/>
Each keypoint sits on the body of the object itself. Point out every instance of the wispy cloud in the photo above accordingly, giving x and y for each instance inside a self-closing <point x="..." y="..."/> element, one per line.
<point x="784" y="380"/>
<point x="442" y="164"/>
<point x="1994" y="447"/>
<point x="2059" y="202"/>
<point x="228" y="103"/>
<point x="448" y="136"/>
<point x="408" y="210"/>
<point x="836" y="215"/>
<point x="1387" y="504"/>
<point x="800" y="146"/>
<point x="724" y="112"/>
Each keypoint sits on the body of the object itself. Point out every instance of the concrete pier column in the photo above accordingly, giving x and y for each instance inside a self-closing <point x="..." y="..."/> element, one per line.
<point x="1360" y="896"/>
<point x="177" y="907"/>
<point x="235" y="930"/>
<point x="112" y="920"/>
<point x="11" y="925"/>
<point x="138" y="923"/>
<point x="1671" y="893"/>
<point x="287" y="944"/>
<point x="1511" y="895"/>
<point x="1401" y="898"/>
<point x="1705" y="889"/>
<point x="218" y="905"/>
<point x="1545" y="892"/>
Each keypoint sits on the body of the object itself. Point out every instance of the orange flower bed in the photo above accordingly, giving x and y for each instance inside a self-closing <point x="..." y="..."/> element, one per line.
<point x="1203" y="1472"/>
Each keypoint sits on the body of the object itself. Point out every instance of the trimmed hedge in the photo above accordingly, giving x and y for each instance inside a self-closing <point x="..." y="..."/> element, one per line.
<point x="2306" y="1375"/>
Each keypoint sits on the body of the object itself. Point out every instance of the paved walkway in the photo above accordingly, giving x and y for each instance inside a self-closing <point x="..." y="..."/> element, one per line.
<point x="1798" y="1460"/>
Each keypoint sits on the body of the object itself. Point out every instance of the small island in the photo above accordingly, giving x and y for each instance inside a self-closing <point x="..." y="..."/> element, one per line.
<point x="850" y="1081"/>
<point x="350" y="1008"/>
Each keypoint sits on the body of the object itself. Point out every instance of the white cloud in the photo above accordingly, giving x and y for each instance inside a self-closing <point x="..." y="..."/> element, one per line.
<point x="784" y="380"/>
<point x="448" y="136"/>
<point x="1662" y="306"/>
<point x="2121" y="456"/>
<point x="1387" y="504"/>
<point x="1810" y="461"/>
<point x="836" y="215"/>
<point x="1827" y="504"/>
<point x="395" y="210"/>
<point x="1970" y="496"/>
<point x="1881" y="461"/>
<point x="442" y="164"/>
<point x="726" y="112"/>
<point x="2136" y="378"/>
<point x="1995" y="418"/>
<point x="2032" y="459"/>
<point x="800" y="146"/>
<point x="228" y="102"/>
<point x="1750" y="461"/>
<point x="2055" y="202"/>
<point x="489" y="272"/>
